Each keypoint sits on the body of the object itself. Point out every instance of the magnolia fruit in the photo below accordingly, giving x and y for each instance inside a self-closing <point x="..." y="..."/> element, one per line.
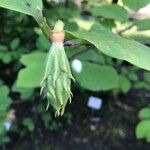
<point x="56" y="83"/>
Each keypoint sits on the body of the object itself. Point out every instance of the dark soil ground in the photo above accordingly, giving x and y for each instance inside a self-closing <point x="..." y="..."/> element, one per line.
<point x="111" y="128"/>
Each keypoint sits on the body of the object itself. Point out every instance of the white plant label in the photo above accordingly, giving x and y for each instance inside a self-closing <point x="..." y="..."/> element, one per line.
<point x="7" y="125"/>
<point x="94" y="102"/>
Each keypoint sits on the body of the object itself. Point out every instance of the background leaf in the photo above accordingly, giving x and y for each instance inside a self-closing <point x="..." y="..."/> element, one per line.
<point x="144" y="113"/>
<point x="5" y="100"/>
<point x="143" y="24"/>
<point x="124" y="83"/>
<point x="136" y="4"/>
<point x="15" y="43"/>
<point x="142" y="129"/>
<point x="94" y="77"/>
<point x="28" y="122"/>
<point x="25" y="93"/>
<point x="42" y="42"/>
<point x="147" y="76"/>
<point x="31" y="76"/>
<point x="113" y="11"/>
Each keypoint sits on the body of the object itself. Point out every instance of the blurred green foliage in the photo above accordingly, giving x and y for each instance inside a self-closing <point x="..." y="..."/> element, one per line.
<point x="143" y="127"/>
<point x="23" y="50"/>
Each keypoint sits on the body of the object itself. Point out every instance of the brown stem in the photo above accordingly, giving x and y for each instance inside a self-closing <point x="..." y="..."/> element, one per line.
<point x="122" y="31"/>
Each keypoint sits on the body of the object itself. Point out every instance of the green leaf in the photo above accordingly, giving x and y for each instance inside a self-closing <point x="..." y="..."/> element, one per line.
<point x="3" y="47"/>
<point x="6" y="57"/>
<point x="29" y="124"/>
<point x="42" y="43"/>
<point x="142" y="129"/>
<point x="33" y="58"/>
<point x="29" y="7"/>
<point x="147" y="76"/>
<point x="144" y="113"/>
<point x="136" y="4"/>
<point x="46" y="117"/>
<point x="92" y="55"/>
<point x="97" y="26"/>
<point x="143" y="24"/>
<point x="71" y="26"/>
<point x="3" y="115"/>
<point x="113" y="11"/>
<point x="24" y="92"/>
<point x="124" y="83"/>
<point x="148" y="136"/>
<point x="132" y="76"/>
<point x="5" y="100"/>
<point x="140" y="85"/>
<point x="2" y="129"/>
<point x="117" y="47"/>
<point x="95" y="77"/>
<point x="31" y="76"/>
<point x="5" y="139"/>
<point x="15" y="43"/>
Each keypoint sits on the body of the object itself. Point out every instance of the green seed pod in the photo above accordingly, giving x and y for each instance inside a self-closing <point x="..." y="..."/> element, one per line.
<point x="56" y="83"/>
